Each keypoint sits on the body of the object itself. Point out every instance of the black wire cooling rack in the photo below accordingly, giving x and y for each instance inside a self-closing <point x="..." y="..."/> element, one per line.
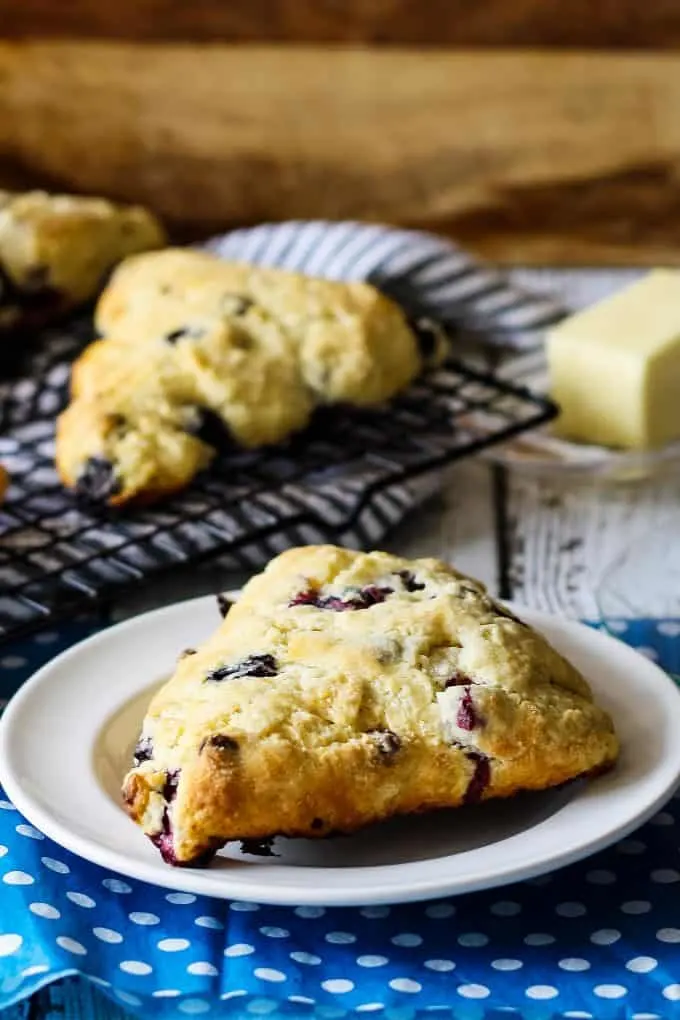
<point x="347" y="479"/>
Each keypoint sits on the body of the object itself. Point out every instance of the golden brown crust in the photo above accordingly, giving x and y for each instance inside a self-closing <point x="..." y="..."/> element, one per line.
<point x="258" y="349"/>
<point x="349" y="688"/>
<point x="55" y="250"/>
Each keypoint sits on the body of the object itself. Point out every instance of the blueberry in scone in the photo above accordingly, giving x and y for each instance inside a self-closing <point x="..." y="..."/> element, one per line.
<point x="344" y="688"/>
<point x="200" y="354"/>
<point x="55" y="251"/>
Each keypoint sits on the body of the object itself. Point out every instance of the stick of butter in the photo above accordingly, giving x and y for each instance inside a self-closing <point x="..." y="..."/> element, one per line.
<point x="615" y="367"/>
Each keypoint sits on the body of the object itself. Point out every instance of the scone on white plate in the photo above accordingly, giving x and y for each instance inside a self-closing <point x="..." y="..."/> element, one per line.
<point x="344" y="688"/>
<point x="55" y="251"/>
<point x="198" y="353"/>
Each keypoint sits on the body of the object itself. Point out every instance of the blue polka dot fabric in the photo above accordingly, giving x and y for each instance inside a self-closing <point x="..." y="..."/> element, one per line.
<point x="600" y="939"/>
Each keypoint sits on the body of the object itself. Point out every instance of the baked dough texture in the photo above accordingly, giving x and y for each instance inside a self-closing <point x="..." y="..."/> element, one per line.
<point x="344" y="688"/>
<point x="55" y="250"/>
<point x="199" y="353"/>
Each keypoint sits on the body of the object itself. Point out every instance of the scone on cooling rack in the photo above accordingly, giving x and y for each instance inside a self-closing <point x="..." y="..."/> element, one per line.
<point x="55" y="251"/>
<point x="199" y="353"/>
<point x="344" y="688"/>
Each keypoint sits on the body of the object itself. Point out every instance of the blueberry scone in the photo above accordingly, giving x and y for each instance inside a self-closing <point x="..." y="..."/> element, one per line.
<point x="198" y="352"/>
<point x="55" y="251"/>
<point x="344" y="688"/>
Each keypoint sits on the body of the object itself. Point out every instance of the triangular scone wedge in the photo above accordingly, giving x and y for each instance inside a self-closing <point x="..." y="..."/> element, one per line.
<point x="344" y="688"/>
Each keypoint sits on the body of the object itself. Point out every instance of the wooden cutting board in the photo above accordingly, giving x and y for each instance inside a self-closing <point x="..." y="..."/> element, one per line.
<point x="526" y="156"/>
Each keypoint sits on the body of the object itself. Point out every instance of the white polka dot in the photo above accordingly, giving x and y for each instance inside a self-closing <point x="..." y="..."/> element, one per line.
<point x="180" y="898"/>
<point x="71" y="946"/>
<point x="239" y="949"/>
<point x="135" y="967"/>
<point x="115" y="885"/>
<point x="261" y="1007"/>
<point x="304" y="999"/>
<point x="372" y="961"/>
<point x="6" y="806"/>
<point x="113" y="938"/>
<point x="636" y="907"/>
<point x="97" y="980"/>
<point x="600" y="876"/>
<point x="631" y="846"/>
<point x="338" y="986"/>
<point x="570" y="909"/>
<point x="370" y="1007"/>
<point x="81" y="900"/>
<point x="3" y="850"/>
<point x="308" y="958"/>
<point x="439" y="911"/>
<point x="166" y="993"/>
<point x="605" y="937"/>
<point x="275" y="933"/>
<point x="57" y="866"/>
<point x="668" y="935"/>
<point x="671" y="992"/>
<point x="243" y="907"/>
<point x="440" y="966"/>
<point x="269" y="974"/>
<point x="209" y="922"/>
<point x="573" y="964"/>
<point x="40" y="968"/>
<point x="129" y="1000"/>
<point x="663" y="818"/>
<point x="539" y="938"/>
<point x="310" y="912"/>
<point x="174" y="945"/>
<point x="578" y="1014"/>
<point x="29" y="832"/>
<point x="13" y="661"/>
<point x="642" y="964"/>
<point x="646" y="1016"/>
<point x="141" y="917"/>
<point x="18" y="878"/>
<point x="375" y="912"/>
<point x="610" y="991"/>
<point x="9" y="944"/>
<point x="340" y="938"/>
<point x="405" y="985"/>
<point x="504" y="964"/>
<point x="407" y="940"/>
<point x="202" y="969"/>
<point x="505" y="908"/>
<point x="235" y="994"/>
<point x="45" y="910"/>
<point x="473" y="939"/>
<point x="473" y="991"/>
<point x="194" y="1006"/>
<point x="664" y="876"/>
<point x="541" y="992"/>
<point x="48" y="638"/>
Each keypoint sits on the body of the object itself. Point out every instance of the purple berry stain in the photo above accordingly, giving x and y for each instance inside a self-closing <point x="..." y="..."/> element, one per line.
<point x="480" y="778"/>
<point x="364" y="598"/>
<point x="253" y="666"/>
<point x="143" y="750"/>
<point x="467" y="717"/>
<point x="409" y="582"/>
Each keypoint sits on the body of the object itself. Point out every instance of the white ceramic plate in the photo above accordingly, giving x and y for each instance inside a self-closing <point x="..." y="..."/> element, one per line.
<point x="67" y="736"/>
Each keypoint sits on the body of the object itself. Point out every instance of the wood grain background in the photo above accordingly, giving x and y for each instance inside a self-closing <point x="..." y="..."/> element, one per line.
<point x="549" y="141"/>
